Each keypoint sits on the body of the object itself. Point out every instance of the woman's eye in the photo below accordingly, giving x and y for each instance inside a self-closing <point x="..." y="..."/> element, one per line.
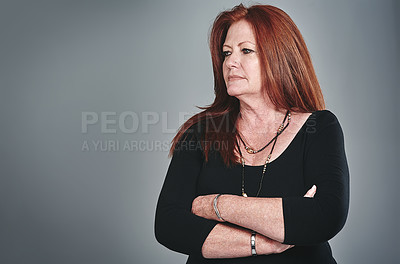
<point x="226" y="53"/>
<point x="247" y="51"/>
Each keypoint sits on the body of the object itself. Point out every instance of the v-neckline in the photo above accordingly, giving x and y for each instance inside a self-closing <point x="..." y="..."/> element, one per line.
<point x="290" y="144"/>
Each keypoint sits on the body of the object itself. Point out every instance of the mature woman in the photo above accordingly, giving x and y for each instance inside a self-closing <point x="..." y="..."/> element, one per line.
<point x="260" y="176"/>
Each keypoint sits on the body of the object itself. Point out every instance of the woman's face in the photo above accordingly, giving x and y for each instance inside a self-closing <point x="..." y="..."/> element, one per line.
<point x="241" y="67"/>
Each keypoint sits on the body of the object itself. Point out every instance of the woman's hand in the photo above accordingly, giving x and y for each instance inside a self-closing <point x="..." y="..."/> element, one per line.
<point x="266" y="246"/>
<point x="310" y="193"/>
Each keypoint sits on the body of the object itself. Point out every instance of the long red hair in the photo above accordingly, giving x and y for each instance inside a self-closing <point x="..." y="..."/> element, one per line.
<point x="288" y="76"/>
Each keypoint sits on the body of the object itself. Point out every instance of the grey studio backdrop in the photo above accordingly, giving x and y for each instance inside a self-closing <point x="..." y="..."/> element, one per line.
<point x="92" y="93"/>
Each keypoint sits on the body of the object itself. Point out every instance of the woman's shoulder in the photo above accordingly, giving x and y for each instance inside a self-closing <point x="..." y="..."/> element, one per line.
<point x="188" y="141"/>
<point x="190" y="137"/>
<point x="321" y="119"/>
<point x="322" y="125"/>
<point x="194" y="131"/>
<point x="326" y="116"/>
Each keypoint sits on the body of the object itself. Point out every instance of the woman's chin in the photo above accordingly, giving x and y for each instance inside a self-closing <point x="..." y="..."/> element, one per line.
<point x="234" y="91"/>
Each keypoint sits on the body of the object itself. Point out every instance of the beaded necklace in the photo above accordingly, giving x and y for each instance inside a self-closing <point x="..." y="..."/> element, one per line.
<point x="250" y="150"/>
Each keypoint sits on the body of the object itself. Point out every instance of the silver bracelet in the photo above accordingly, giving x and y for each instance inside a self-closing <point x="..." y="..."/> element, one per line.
<point x="253" y="244"/>
<point x="216" y="208"/>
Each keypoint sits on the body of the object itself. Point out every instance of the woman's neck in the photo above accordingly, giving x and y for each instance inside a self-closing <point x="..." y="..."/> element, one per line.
<point x="259" y="115"/>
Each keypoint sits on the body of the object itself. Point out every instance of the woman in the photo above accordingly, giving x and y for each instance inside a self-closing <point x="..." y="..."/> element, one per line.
<point x="260" y="176"/>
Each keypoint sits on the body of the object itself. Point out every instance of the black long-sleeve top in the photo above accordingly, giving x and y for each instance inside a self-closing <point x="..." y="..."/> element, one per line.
<point x="315" y="156"/>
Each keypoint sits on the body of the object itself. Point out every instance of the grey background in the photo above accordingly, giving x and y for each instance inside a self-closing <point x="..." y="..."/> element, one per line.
<point x="59" y="59"/>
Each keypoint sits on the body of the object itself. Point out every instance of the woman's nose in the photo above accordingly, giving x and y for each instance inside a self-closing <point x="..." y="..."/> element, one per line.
<point x="232" y="61"/>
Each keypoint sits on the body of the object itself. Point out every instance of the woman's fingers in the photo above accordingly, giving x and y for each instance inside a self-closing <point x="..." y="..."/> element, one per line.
<point x="279" y="248"/>
<point x="310" y="193"/>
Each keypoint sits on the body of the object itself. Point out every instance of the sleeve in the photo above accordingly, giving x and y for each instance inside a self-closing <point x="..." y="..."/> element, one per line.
<point x="316" y="220"/>
<point x="175" y="226"/>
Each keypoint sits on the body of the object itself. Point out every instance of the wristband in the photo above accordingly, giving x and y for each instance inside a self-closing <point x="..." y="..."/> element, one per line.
<point x="253" y="244"/>
<point x="216" y="208"/>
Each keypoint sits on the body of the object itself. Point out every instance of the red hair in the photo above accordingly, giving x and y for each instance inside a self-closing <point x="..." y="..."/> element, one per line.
<point x="288" y="75"/>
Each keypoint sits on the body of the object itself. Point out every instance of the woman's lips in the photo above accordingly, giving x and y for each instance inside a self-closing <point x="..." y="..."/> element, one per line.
<point x="235" y="78"/>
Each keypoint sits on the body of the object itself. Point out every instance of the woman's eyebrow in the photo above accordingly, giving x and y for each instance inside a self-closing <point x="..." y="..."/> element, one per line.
<point x="246" y="41"/>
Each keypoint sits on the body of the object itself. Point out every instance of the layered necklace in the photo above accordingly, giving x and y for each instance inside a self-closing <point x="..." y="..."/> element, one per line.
<point x="250" y="150"/>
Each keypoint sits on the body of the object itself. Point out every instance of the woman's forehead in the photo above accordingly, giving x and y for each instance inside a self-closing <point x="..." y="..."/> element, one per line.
<point x="240" y="32"/>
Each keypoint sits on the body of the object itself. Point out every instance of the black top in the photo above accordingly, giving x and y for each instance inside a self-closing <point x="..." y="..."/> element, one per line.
<point x="315" y="156"/>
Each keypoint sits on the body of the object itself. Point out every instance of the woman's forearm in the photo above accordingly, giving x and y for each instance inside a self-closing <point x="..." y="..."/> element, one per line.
<point x="229" y="241"/>
<point x="263" y="215"/>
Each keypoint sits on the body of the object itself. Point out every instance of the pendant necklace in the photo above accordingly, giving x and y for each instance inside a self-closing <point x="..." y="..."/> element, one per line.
<point x="250" y="150"/>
